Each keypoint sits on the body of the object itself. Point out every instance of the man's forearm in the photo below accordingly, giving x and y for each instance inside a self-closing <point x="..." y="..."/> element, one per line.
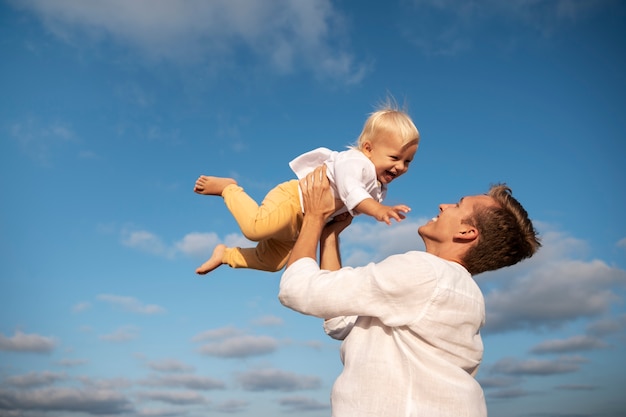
<point x="310" y="233"/>
<point x="330" y="258"/>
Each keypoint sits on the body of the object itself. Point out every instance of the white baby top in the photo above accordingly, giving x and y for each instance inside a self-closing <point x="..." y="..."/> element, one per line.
<point x="351" y="174"/>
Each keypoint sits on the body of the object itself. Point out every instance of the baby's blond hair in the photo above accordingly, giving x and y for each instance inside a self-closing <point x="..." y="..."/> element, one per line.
<point x="389" y="118"/>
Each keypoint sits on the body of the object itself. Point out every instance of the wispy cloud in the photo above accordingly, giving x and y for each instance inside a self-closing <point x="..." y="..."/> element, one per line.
<point x="23" y="342"/>
<point x="173" y="397"/>
<point x="122" y="334"/>
<point x="131" y="304"/>
<point x="572" y="344"/>
<point x="268" y="321"/>
<point x="42" y="140"/>
<point x="240" y="347"/>
<point x="297" y="404"/>
<point x="447" y="27"/>
<point x="553" y="288"/>
<point x="169" y="365"/>
<point x="607" y="325"/>
<point x="513" y="366"/>
<point x="276" y="380"/>
<point x="188" y="381"/>
<point x="69" y="363"/>
<point x="198" y="244"/>
<point x="366" y="241"/>
<point x="90" y="401"/>
<point x="146" y="242"/>
<point x="34" y="379"/>
<point x="195" y="244"/>
<point x="283" y="35"/>
<point x="232" y="406"/>
<point x="220" y="333"/>
<point x="80" y="307"/>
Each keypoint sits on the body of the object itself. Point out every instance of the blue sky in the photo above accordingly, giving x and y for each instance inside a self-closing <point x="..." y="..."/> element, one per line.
<point x="110" y="110"/>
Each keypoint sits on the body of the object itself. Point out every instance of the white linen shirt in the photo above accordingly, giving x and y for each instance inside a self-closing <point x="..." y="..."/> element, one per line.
<point x="415" y="347"/>
<point x="351" y="174"/>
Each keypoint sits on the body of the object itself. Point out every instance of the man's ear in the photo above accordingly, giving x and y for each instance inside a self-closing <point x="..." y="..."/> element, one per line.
<point x="466" y="233"/>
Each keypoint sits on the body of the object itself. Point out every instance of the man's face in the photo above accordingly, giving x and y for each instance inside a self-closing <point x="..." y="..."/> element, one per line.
<point x="449" y="222"/>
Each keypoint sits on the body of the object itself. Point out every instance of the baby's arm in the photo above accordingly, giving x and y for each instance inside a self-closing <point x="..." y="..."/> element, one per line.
<point x="381" y="212"/>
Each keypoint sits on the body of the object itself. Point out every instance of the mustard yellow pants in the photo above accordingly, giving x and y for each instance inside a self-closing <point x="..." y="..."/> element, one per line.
<point x="274" y="224"/>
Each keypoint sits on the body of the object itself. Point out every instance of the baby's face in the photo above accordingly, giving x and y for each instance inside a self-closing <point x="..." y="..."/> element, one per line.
<point x="389" y="157"/>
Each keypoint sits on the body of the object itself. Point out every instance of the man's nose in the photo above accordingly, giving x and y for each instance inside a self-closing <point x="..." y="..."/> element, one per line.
<point x="442" y="207"/>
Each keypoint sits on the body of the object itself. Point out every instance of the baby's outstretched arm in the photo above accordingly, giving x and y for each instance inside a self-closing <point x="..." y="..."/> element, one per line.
<point x="381" y="212"/>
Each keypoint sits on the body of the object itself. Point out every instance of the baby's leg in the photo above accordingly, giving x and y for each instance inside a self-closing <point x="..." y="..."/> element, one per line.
<point x="212" y="185"/>
<point x="214" y="261"/>
<point x="269" y="255"/>
<point x="278" y="217"/>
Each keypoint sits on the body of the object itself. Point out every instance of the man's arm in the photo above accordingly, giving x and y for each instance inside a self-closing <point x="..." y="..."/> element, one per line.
<point x="330" y="256"/>
<point x="330" y="259"/>
<point x="319" y="204"/>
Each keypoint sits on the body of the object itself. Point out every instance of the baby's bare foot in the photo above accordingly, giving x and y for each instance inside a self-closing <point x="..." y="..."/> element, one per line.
<point x="214" y="261"/>
<point x="212" y="185"/>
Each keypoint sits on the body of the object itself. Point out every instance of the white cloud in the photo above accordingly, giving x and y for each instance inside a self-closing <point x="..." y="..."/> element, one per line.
<point x="232" y="406"/>
<point x="194" y="244"/>
<point x="554" y="287"/>
<point x="281" y="34"/>
<point x="131" y="304"/>
<point x="298" y="404"/>
<point x="572" y="344"/>
<point x="123" y="334"/>
<point x="240" y="347"/>
<point x="276" y="380"/>
<point x="145" y="241"/>
<point x="449" y="27"/>
<point x="268" y="321"/>
<point x="173" y="397"/>
<point x="607" y="325"/>
<point x="188" y="381"/>
<point x="198" y="244"/>
<point x="80" y="307"/>
<point x="68" y="363"/>
<point x="216" y="334"/>
<point x="34" y="379"/>
<point x="367" y="241"/>
<point x="169" y="365"/>
<point x="512" y="366"/>
<point x="90" y="401"/>
<point x="22" y="342"/>
<point x="537" y="11"/>
<point x="105" y="383"/>
<point x="41" y="140"/>
<point x="553" y="294"/>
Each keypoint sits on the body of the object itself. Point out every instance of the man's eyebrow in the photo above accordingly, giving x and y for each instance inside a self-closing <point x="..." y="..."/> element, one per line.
<point x="461" y="200"/>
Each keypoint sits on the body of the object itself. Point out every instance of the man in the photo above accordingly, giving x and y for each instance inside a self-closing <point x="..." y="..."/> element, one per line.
<point x="410" y="323"/>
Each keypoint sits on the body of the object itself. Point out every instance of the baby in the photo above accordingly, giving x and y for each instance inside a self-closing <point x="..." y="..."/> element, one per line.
<point x="359" y="177"/>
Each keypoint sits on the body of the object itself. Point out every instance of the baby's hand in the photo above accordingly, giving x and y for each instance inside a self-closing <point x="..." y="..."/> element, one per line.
<point x="387" y="213"/>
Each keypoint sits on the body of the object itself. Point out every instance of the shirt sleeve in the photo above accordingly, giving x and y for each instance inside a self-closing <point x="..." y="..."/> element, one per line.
<point x="394" y="290"/>
<point x="339" y="327"/>
<point x="355" y="178"/>
<point x="307" y="162"/>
